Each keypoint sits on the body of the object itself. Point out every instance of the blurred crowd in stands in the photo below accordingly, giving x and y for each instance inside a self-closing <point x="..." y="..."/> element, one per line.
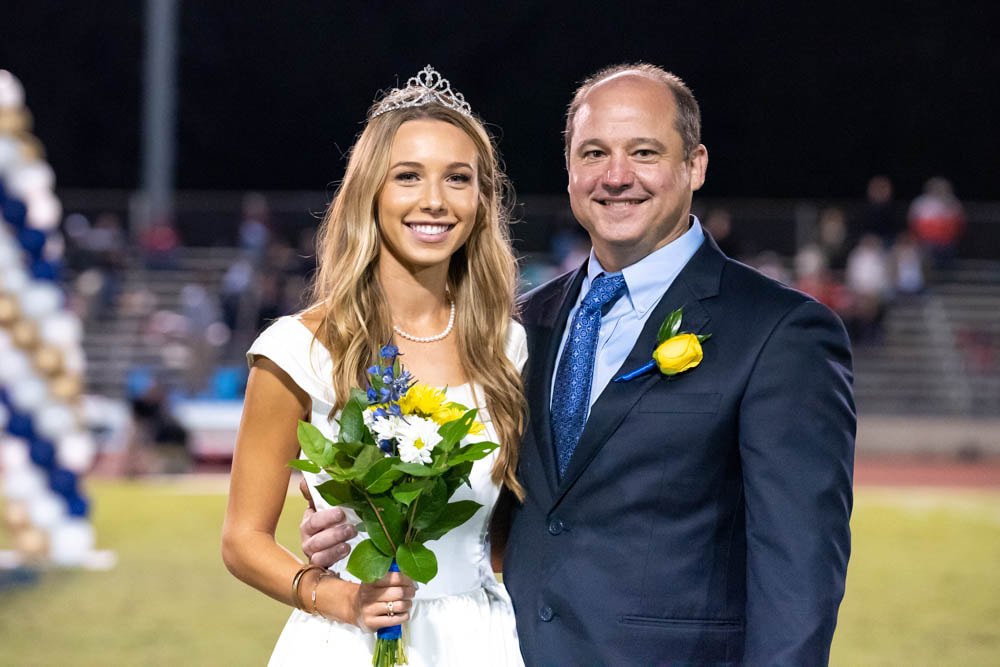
<point x="200" y="317"/>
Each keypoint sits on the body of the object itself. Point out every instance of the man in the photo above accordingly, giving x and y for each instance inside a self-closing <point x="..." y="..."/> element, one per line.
<point x="697" y="518"/>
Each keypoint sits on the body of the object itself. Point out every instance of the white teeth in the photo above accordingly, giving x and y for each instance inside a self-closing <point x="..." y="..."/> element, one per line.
<point x="621" y="204"/>
<point x="430" y="229"/>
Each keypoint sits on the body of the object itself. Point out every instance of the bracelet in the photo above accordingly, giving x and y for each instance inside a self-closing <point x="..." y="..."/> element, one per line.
<point x="319" y="579"/>
<point x="297" y="582"/>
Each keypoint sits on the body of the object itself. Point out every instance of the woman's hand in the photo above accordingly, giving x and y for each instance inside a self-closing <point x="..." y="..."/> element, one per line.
<point x="384" y="603"/>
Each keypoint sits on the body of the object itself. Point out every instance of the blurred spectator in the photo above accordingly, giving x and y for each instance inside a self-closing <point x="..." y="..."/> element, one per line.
<point x="833" y="238"/>
<point x="255" y="227"/>
<point x="814" y="277"/>
<point x="158" y="244"/>
<point x="907" y="264"/>
<point x="937" y="220"/>
<point x="106" y="246"/>
<point x="880" y="215"/>
<point x="719" y="224"/>
<point x="868" y="279"/>
<point x="203" y="316"/>
<point x="159" y="442"/>
<point x="771" y="265"/>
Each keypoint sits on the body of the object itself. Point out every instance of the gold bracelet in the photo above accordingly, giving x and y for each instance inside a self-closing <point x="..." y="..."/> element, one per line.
<point x="297" y="582"/>
<point x="319" y="579"/>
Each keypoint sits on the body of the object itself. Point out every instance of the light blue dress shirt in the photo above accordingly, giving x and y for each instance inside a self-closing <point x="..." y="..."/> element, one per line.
<point x="646" y="282"/>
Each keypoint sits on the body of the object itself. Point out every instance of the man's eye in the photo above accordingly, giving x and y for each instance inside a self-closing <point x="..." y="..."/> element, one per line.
<point x="593" y="153"/>
<point x="645" y="153"/>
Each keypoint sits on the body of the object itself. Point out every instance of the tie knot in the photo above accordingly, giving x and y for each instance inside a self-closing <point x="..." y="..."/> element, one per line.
<point x="603" y="291"/>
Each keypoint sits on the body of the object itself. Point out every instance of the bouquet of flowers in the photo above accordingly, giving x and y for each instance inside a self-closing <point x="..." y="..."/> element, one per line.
<point x="396" y="460"/>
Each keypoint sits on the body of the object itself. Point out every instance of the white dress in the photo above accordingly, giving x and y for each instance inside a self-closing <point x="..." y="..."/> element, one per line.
<point x="464" y="615"/>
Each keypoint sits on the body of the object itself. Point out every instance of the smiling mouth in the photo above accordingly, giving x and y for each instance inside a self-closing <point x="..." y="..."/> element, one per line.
<point x="430" y="229"/>
<point x="620" y="203"/>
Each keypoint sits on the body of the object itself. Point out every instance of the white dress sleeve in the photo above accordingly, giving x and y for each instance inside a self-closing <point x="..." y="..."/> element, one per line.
<point x="517" y="345"/>
<point x="290" y="345"/>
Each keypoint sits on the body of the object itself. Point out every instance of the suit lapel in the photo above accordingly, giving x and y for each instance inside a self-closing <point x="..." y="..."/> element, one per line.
<point x="697" y="281"/>
<point x="542" y="359"/>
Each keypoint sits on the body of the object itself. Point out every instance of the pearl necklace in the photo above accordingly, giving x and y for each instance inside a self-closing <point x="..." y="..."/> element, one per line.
<point x="436" y="337"/>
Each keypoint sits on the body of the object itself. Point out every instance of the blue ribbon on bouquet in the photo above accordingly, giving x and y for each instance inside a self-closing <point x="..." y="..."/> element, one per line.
<point x="395" y="631"/>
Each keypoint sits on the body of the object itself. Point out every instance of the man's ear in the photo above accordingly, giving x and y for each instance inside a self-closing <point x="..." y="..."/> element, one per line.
<point x="699" y="166"/>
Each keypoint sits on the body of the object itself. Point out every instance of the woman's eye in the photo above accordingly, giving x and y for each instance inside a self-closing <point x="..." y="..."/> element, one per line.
<point x="459" y="178"/>
<point x="406" y="177"/>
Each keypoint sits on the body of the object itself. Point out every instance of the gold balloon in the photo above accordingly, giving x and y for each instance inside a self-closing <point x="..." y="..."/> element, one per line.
<point x="15" y="515"/>
<point x="66" y="387"/>
<point x="10" y="311"/>
<point x="32" y="542"/>
<point x="15" y="120"/>
<point x="25" y="334"/>
<point x="48" y="359"/>
<point x="31" y="148"/>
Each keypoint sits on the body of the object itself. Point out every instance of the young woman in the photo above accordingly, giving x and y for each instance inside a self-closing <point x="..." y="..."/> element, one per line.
<point x="413" y="249"/>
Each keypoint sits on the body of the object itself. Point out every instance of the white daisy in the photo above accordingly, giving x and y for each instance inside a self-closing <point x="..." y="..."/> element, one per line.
<point x="385" y="428"/>
<point x="417" y="438"/>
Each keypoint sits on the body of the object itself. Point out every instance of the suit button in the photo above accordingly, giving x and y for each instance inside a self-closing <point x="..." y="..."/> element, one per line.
<point x="556" y="526"/>
<point x="546" y="613"/>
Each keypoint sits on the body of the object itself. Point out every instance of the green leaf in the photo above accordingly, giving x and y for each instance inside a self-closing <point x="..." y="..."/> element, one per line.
<point x="456" y="476"/>
<point x="335" y="492"/>
<point x="455" y="430"/>
<point x="351" y="449"/>
<point x="380" y="476"/>
<point x="670" y="326"/>
<point x="408" y="491"/>
<point x="368" y="457"/>
<point x="367" y="563"/>
<point x="452" y="516"/>
<point x="391" y="516"/>
<point x="417" y="562"/>
<point x="472" y="452"/>
<point x="430" y="505"/>
<point x="314" y="444"/>
<point x="303" y="465"/>
<point x="703" y="337"/>
<point x="352" y="424"/>
<point x="416" y="469"/>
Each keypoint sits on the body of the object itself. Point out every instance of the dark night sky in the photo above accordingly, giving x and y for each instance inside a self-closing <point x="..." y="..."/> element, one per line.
<point x="798" y="99"/>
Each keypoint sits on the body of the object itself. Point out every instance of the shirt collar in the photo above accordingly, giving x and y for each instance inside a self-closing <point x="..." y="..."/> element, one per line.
<point x="645" y="280"/>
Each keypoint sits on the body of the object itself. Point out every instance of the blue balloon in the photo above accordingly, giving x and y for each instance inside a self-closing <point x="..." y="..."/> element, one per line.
<point x="63" y="482"/>
<point x="32" y="241"/>
<point x="15" y="213"/>
<point x="78" y="506"/>
<point x="21" y="426"/>
<point x="3" y="192"/>
<point x="43" y="270"/>
<point x="43" y="453"/>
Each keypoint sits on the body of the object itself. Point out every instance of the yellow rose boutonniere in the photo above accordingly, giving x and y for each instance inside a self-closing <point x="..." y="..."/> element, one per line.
<point x="675" y="352"/>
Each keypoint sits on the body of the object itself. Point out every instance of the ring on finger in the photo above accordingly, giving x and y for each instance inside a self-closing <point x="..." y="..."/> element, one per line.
<point x="388" y="606"/>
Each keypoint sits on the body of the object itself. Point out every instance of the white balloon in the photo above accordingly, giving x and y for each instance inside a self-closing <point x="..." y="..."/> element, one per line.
<point x="71" y="541"/>
<point x="52" y="421"/>
<point x="28" y="394"/>
<point x="14" y="278"/>
<point x="30" y="178"/>
<point x="62" y="329"/>
<point x="14" y="365"/>
<point x="14" y="454"/>
<point x="11" y="91"/>
<point x="10" y="154"/>
<point x="46" y="509"/>
<point x="40" y="299"/>
<point x="44" y="211"/>
<point x="9" y="256"/>
<point x="23" y="484"/>
<point x="76" y="451"/>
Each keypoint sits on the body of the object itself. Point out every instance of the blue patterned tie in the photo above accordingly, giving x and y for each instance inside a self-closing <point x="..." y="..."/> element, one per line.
<point x="571" y="394"/>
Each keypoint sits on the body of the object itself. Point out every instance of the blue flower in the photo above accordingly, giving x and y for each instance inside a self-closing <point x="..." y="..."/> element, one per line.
<point x="385" y="446"/>
<point x="375" y="370"/>
<point x="389" y="351"/>
<point x="372" y="395"/>
<point x="380" y="412"/>
<point x="384" y="395"/>
<point x="394" y="410"/>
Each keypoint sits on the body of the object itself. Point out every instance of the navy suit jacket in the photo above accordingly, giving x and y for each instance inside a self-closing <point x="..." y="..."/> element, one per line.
<point x="704" y="517"/>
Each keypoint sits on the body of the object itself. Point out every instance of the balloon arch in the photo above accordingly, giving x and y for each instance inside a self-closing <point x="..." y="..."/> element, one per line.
<point x="44" y="444"/>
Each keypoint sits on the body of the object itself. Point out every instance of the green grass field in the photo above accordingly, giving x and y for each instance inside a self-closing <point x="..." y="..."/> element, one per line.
<point x="923" y="587"/>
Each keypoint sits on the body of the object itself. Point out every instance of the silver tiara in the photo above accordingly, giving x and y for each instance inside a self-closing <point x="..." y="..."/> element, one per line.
<point x="427" y="87"/>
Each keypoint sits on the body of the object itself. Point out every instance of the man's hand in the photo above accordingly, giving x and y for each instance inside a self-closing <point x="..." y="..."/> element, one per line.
<point x="325" y="533"/>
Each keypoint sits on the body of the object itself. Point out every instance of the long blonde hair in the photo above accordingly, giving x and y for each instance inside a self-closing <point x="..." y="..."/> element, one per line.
<point x="354" y="318"/>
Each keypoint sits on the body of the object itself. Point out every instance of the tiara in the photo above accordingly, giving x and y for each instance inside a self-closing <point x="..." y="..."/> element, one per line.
<point x="427" y="87"/>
